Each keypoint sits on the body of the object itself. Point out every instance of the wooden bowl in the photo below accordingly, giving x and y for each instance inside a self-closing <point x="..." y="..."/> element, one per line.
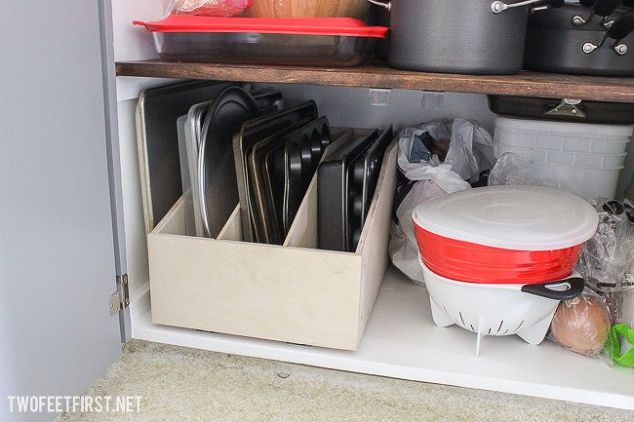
<point x="308" y="8"/>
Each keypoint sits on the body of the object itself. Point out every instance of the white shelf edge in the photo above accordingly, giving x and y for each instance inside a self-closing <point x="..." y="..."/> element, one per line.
<point x="389" y="349"/>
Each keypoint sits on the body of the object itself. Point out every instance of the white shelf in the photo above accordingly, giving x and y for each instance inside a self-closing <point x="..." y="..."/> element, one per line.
<point x="402" y="342"/>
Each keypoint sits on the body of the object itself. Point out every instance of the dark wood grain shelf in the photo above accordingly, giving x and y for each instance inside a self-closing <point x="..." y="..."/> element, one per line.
<point x="528" y="84"/>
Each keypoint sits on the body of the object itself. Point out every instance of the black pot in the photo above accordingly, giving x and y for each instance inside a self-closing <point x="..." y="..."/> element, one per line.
<point x="567" y="110"/>
<point x="458" y="36"/>
<point x="560" y="41"/>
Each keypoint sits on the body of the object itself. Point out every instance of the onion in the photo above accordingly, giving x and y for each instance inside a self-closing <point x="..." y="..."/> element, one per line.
<point x="582" y="325"/>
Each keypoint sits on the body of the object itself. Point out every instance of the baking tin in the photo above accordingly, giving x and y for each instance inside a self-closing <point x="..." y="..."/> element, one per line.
<point x="363" y="177"/>
<point x="157" y="142"/>
<point x="265" y="194"/>
<point x="218" y="188"/>
<point x="248" y="135"/>
<point x="333" y="193"/>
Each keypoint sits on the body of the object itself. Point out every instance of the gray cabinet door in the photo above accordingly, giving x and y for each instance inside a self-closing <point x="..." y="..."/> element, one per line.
<point x="57" y="248"/>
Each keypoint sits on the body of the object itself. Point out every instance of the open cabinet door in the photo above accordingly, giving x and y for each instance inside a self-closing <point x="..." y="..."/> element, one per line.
<point x="57" y="233"/>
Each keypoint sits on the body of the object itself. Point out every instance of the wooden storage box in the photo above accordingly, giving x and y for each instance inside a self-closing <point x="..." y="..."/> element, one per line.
<point x="293" y="293"/>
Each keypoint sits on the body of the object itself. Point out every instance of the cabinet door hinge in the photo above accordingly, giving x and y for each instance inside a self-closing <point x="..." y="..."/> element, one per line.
<point x="121" y="298"/>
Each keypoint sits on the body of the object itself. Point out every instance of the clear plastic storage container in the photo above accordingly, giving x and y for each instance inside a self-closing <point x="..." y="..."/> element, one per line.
<point x="585" y="159"/>
<point x="310" y="42"/>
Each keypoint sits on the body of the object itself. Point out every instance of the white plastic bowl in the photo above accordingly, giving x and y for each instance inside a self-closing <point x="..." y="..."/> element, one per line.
<point x="498" y="309"/>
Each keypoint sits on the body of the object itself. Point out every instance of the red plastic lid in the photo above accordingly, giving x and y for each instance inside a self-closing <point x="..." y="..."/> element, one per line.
<point x="314" y="26"/>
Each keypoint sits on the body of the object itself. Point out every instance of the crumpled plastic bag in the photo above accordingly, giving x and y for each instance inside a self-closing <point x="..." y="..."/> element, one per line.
<point x="471" y="150"/>
<point x="512" y="169"/>
<point x="620" y="345"/>
<point x="420" y="160"/>
<point x="217" y="8"/>
<point x="607" y="259"/>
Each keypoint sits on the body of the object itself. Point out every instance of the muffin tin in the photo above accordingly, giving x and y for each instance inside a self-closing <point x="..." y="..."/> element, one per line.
<point x="304" y="148"/>
<point x="365" y="174"/>
<point x="346" y="183"/>
<point x="251" y="133"/>
<point x="279" y="166"/>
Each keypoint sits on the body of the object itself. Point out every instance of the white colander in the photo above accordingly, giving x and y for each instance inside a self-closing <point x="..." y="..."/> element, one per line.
<point x="498" y="309"/>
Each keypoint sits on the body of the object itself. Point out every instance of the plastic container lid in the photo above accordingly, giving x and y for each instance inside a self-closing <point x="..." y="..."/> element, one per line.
<point x="298" y="26"/>
<point x="604" y="132"/>
<point x="527" y="218"/>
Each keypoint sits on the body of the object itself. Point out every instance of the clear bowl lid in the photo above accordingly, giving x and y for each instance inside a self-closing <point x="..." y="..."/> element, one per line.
<point x="529" y="218"/>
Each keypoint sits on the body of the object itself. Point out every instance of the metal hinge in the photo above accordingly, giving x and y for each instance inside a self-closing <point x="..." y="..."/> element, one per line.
<point x="121" y="298"/>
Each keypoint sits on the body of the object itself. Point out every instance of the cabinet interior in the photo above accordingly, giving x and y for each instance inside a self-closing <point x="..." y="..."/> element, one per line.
<point x="400" y="340"/>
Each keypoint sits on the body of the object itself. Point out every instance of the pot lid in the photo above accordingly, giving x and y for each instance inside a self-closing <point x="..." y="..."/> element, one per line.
<point x="294" y="26"/>
<point x="530" y="218"/>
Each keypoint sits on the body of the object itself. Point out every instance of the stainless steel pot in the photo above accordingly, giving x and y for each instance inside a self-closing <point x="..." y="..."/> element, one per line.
<point x="458" y="36"/>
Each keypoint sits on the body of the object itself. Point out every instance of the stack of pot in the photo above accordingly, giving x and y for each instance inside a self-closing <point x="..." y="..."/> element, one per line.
<point x="588" y="37"/>
<point x="457" y="36"/>
<point x="491" y="36"/>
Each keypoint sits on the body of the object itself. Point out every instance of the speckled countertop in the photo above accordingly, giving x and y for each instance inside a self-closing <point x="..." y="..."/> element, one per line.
<point x="180" y="384"/>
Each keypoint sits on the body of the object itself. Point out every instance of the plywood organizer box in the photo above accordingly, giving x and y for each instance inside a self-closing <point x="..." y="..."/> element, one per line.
<point x="293" y="293"/>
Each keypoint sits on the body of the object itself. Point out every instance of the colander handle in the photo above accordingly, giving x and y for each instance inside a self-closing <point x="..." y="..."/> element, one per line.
<point x="560" y="290"/>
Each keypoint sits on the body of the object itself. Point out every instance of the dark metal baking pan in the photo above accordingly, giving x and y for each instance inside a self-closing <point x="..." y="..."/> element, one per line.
<point x="269" y="100"/>
<point x="157" y="137"/>
<point x="218" y="189"/>
<point x="304" y="148"/>
<point x="265" y="193"/>
<point x="333" y="193"/>
<point x="250" y="133"/>
<point x="563" y="109"/>
<point x="363" y="177"/>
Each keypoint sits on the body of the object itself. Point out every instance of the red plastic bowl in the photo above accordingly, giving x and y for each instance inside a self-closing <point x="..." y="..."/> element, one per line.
<point x="473" y="263"/>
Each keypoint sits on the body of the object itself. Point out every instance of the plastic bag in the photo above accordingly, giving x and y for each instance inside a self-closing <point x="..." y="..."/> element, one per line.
<point x="421" y="151"/>
<point x="512" y="169"/>
<point x="582" y="325"/>
<point x="607" y="260"/>
<point x="620" y="345"/>
<point x="470" y="151"/>
<point x="217" y="8"/>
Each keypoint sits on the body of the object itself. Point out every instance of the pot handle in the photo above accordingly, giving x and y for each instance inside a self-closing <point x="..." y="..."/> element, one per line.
<point x="603" y="8"/>
<point x="559" y="290"/>
<point x="499" y="6"/>
<point x="622" y="27"/>
<point x="387" y="5"/>
<point x="568" y="108"/>
<point x="619" y="30"/>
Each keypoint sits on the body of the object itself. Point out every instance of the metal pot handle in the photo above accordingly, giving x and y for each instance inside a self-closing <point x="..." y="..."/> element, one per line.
<point x="569" y="108"/>
<point x="499" y="6"/>
<point x="619" y="30"/>
<point x="387" y="5"/>
<point x="560" y="290"/>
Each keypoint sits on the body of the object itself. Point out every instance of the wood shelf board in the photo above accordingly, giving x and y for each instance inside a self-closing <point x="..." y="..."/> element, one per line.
<point x="527" y="84"/>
